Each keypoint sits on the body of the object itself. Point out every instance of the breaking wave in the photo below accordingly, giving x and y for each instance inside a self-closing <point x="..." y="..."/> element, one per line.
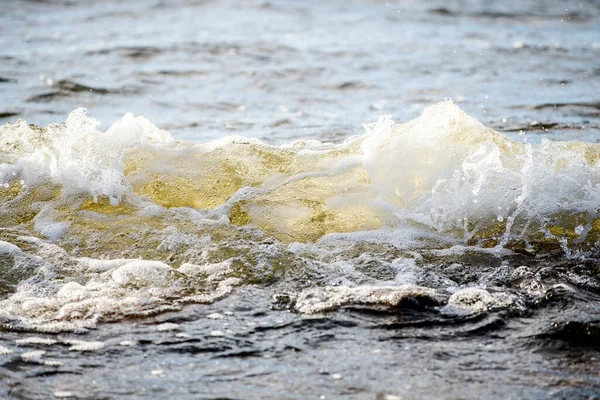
<point x="100" y="226"/>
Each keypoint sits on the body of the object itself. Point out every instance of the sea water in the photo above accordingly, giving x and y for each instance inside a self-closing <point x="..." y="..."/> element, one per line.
<point x="278" y="200"/>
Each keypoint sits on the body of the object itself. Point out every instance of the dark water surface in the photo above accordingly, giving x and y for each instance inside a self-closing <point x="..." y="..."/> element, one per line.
<point x="436" y="259"/>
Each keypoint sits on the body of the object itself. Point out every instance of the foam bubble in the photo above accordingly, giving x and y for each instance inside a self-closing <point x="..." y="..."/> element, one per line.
<point x="167" y="326"/>
<point x="63" y="394"/>
<point x="141" y="273"/>
<point x="9" y="248"/>
<point x="478" y="300"/>
<point x="36" y="340"/>
<point x="33" y="356"/>
<point x="324" y="299"/>
<point x="82" y="346"/>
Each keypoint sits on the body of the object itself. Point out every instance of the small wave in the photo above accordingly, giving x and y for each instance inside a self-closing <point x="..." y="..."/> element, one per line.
<point x="537" y="126"/>
<point x="127" y="223"/>
<point x="66" y="88"/>
<point x="135" y="52"/>
<point x="522" y="16"/>
<point x="443" y="171"/>
<point x="8" y="114"/>
<point x="593" y="105"/>
<point x="7" y="80"/>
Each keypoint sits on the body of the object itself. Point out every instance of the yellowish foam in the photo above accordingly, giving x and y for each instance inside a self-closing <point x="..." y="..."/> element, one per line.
<point x="443" y="171"/>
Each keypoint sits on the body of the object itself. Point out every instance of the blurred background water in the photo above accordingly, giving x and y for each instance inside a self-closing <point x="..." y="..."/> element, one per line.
<point x="282" y="70"/>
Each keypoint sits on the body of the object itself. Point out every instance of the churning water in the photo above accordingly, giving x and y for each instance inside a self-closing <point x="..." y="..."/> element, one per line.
<point x="246" y="236"/>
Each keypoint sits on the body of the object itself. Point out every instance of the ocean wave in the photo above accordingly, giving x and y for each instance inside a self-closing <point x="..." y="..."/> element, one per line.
<point x="126" y="223"/>
<point x="444" y="172"/>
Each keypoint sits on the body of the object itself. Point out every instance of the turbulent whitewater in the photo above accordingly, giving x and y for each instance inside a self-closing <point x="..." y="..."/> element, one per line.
<point x="101" y="226"/>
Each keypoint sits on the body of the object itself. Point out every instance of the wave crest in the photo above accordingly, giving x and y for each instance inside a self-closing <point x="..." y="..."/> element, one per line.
<point x="443" y="172"/>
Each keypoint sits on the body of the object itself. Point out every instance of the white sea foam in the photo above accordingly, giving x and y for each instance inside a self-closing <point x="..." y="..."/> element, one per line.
<point x="477" y="300"/>
<point x="167" y="326"/>
<point x="63" y="394"/>
<point x="76" y="155"/>
<point x="33" y="356"/>
<point x="323" y="299"/>
<point x="36" y="340"/>
<point x="81" y="345"/>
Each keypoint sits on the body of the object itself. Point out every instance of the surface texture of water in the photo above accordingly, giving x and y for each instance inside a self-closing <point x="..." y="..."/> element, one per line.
<point x="248" y="299"/>
<point x="284" y="69"/>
